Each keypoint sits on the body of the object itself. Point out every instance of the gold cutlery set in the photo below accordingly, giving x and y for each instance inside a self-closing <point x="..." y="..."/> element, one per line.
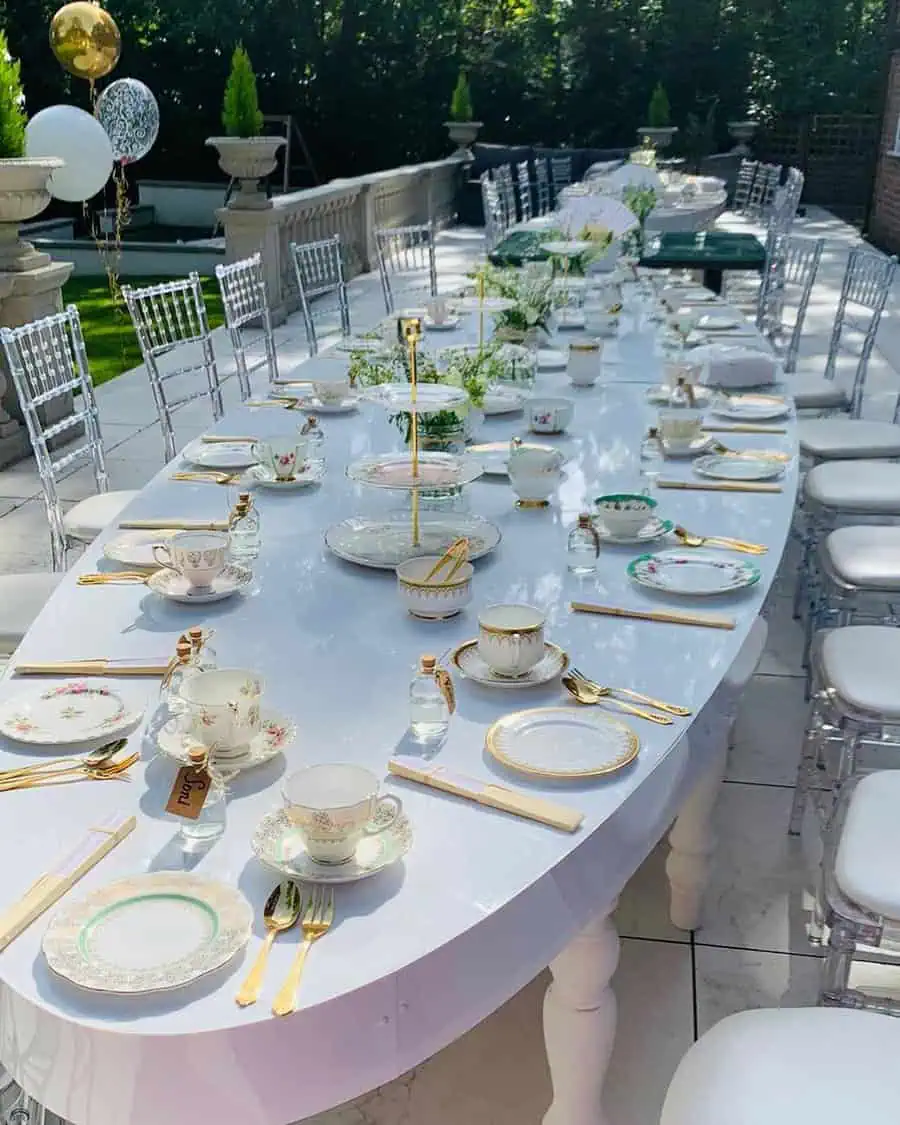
<point x="98" y="766"/>
<point x="209" y="477"/>
<point x="724" y="541"/>
<point x="589" y="693"/>
<point x="287" y="905"/>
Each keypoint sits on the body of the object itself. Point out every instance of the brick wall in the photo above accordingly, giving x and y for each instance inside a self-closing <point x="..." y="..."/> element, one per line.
<point x="884" y="223"/>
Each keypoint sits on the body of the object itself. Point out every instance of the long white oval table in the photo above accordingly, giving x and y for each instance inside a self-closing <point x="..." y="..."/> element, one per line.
<point x="483" y="902"/>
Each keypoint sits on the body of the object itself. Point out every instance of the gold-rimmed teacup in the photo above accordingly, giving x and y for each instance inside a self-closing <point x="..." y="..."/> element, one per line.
<point x="511" y="638"/>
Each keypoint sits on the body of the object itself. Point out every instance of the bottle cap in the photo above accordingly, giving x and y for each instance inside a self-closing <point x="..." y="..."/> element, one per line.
<point x="244" y="498"/>
<point x="312" y="420"/>
<point x="653" y="432"/>
<point x="182" y="651"/>
<point x="584" y="520"/>
<point x="427" y="663"/>
<point x="197" y="754"/>
<point x="680" y="381"/>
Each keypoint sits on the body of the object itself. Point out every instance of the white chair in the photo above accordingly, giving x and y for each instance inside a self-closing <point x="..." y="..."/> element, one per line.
<point x="542" y="184"/>
<point x="48" y="364"/>
<point x="790" y="263"/>
<point x="319" y="270"/>
<point x="246" y="307"/>
<point x="171" y="324"/>
<point x="406" y="262"/>
<point x="523" y="181"/>
<point x="560" y="173"/>
<point x="789" y="1066"/>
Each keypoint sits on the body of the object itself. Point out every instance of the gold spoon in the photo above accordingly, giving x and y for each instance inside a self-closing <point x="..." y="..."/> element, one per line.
<point x="719" y="541"/>
<point x="638" y="697"/>
<point x="96" y="758"/>
<point x="281" y="911"/>
<point x="590" y="694"/>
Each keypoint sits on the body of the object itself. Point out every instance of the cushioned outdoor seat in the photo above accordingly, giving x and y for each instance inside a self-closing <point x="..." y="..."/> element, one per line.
<point x="861" y="663"/>
<point x="856" y="486"/>
<point x="840" y="439"/>
<point x="866" y="556"/>
<point x="89" y="517"/>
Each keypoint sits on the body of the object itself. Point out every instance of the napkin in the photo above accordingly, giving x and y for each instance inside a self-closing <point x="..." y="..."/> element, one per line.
<point x="740" y="366"/>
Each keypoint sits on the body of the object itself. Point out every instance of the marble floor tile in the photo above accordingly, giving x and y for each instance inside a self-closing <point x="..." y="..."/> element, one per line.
<point x="760" y="889"/>
<point x="497" y="1073"/>
<point x="784" y="647"/>
<point x="769" y="731"/>
<point x="733" y="980"/>
<point x="25" y="538"/>
<point x="643" y="910"/>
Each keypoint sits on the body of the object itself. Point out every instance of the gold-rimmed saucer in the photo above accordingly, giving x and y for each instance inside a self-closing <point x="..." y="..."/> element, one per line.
<point x="466" y="659"/>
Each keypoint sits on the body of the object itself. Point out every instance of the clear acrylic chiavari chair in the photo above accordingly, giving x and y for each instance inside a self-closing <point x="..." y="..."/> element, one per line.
<point x="791" y="264"/>
<point x="745" y="177"/>
<point x="763" y="189"/>
<point x="170" y="321"/>
<point x="494" y="215"/>
<point x="406" y="262"/>
<point x="542" y="184"/>
<point x="560" y="173"/>
<point x="523" y="180"/>
<point x="246" y="306"/>
<point x="49" y="368"/>
<point x="504" y="181"/>
<point x="319" y="269"/>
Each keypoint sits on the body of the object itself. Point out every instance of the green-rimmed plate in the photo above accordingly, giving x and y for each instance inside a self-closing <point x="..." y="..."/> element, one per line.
<point x="692" y="573"/>
<point x="148" y="933"/>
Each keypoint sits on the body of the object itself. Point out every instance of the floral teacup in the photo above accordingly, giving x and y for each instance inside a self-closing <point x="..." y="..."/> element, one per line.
<point x="284" y="457"/>
<point x="334" y="806"/>
<point x="223" y="709"/>
<point x="331" y="391"/>
<point x="199" y="556"/>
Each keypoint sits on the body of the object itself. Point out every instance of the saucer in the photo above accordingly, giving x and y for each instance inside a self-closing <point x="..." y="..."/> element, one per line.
<point x="698" y="445"/>
<point x="314" y="405"/>
<point x="219" y="455"/>
<point x="570" y="320"/>
<point x="503" y="400"/>
<point x="550" y="359"/>
<point x="277" y="843"/>
<point x="175" y="587"/>
<point x="655" y="528"/>
<point x="277" y="732"/>
<point x="552" y="664"/>
<point x="442" y="326"/>
<point x="265" y="478"/>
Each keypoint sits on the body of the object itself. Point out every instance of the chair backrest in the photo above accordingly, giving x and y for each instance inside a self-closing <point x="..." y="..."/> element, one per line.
<point x="49" y="368"/>
<point x="504" y="181"/>
<point x="494" y="212"/>
<point x="867" y="284"/>
<point x="406" y="256"/>
<point x="319" y="269"/>
<point x="763" y="189"/>
<point x="560" y="172"/>
<point x="523" y="180"/>
<point x="170" y="318"/>
<point x="745" y="177"/>
<point x="789" y="262"/>
<point x="542" y="180"/>
<point x="246" y="306"/>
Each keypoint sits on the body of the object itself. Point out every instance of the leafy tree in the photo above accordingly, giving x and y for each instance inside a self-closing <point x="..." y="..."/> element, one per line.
<point x="12" y="105"/>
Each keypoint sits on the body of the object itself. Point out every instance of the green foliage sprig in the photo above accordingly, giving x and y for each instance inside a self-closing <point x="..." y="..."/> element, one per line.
<point x="12" y="104"/>
<point x="461" y="101"/>
<point x="241" y="115"/>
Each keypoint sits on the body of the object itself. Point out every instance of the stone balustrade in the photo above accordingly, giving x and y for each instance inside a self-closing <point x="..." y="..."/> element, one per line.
<point x="353" y="208"/>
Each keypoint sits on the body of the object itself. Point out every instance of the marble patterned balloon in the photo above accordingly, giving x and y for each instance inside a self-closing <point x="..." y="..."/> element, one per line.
<point x="129" y="113"/>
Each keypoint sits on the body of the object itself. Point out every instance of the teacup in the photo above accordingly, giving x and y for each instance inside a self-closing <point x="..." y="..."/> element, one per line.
<point x="532" y="483"/>
<point x="599" y="321"/>
<point x="334" y="806"/>
<point x="511" y="638"/>
<point x="438" y="310"/>
<point x="624" y="513"/>
<point x="679" y="429"/>
<point x="199" y="556"/>
<point x="690" y="372"/>
<point x="585" y="357"/>
<point x="223" y="709"/>
<point x="331" y="391"/>
<point x="549" y="415"/>
<point x="284" y="457"/>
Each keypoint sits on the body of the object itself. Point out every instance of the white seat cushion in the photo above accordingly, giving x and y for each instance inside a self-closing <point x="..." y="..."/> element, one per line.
<point x="811" y="392"/>
<point x="866" y="864"/>
<point x="856" y="486"/>
<point x="789" y="1066"/>
<point x="860" y="662"/>
<point x="749" y="655"/>
<point x="89" y="517"/>
<point x="833" y="439"/>
<point x="22" y="597"/>
<point x="865" y="556"/>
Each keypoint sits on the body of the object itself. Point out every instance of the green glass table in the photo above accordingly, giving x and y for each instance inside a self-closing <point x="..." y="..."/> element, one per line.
<point x="519" y="247"/>
<point x="714" y="252"/>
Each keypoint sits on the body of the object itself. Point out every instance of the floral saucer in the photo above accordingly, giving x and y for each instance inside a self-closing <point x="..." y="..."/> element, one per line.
<point x="277" y="732"/>
<point x="278" y="844"/>
<point x="175" y="587"/>
<point x="265" y="478"/>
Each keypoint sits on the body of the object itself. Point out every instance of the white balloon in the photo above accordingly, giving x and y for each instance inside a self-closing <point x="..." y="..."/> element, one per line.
<point x="81" y="141"/>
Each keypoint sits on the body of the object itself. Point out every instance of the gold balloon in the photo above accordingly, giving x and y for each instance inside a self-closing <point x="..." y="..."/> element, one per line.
<point x="85" y="40"/>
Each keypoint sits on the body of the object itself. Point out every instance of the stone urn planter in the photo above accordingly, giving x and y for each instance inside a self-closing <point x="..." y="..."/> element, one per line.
<point x="24" y="193"/>
<point x="659" y="135"/>
<point x="248" y="160"/>
<point x="742" y="133"/>
<point x="463" y="134"/>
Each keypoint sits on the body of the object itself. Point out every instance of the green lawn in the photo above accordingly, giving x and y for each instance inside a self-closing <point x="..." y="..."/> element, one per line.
<point x="108" y="336"/>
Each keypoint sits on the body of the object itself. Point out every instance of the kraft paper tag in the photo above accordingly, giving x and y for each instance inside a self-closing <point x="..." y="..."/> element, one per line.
<point x="188" y="793"/>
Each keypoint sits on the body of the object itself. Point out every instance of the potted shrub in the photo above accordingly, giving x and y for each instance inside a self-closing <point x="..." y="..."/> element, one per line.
<point x="244" y="153"/>
<point x="461" y="127"/>
<point x="24" y="181"/>
<point x="658" y="129"/>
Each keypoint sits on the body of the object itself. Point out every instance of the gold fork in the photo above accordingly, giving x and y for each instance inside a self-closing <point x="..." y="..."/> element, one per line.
<point x="208" y="477"/>
<point x="668" y="708"/>
<point x="112" y="578"/>
<point x="316" y="921"/>
<point x="723" y="541"/>
<point x="75" y="773"/>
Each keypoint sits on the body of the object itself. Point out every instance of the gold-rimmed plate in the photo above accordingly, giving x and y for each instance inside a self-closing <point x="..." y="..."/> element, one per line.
<point x="565" y="743"/>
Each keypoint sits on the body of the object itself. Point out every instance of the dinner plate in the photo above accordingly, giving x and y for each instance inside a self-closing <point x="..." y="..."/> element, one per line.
<point x="395" y="470"/>
<point x="72" y="712"/>
<point x="503" y="400"/>
<point x="467" y="660"/>
<point x="655" y="528"/>
<point x="494" y="456"/>
<point x="693" y="574"/>
<point x="314" y="405"/>
<point x="489" y="304"/>
<point x="220" y="454"/>
<point x="562" y="742"/>
<point x="551" y="359"/>
<point x="430" y="397"/>
<point x="371" y="344"/>
<point x="277" y="732"/>
<point x="385" y="542"/>
<point x="756" y="408"/>
<point x="148" y="933"/>
<point x="278" y="844"/>
<point x="135" y="548"/>
<point x="745" y="467"/>
<point x="447" y="325"/>
<point x="266" y="478"/>
<point x="719" y="322"/>
<point x="175" y="587"/>
<point x="660" y="396"/>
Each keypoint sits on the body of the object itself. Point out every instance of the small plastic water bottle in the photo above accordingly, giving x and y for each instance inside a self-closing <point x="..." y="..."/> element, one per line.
<point x="583" y="547"/>
<point x="429" y="708"/>
<point x="210" y="824"/>
<point x="244" y="530"/>
<point x="651" y="455"/>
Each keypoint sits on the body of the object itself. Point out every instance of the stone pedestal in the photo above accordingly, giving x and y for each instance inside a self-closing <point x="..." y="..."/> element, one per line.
<point x="26" y="295"/>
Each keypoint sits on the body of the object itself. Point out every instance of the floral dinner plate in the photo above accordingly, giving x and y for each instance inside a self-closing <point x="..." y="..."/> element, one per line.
<point x="73" y="712"/>
<point x="695" y="574"/>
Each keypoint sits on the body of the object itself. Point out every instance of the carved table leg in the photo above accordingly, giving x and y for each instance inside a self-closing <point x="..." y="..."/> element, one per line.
<point x="580" y="1023"/>
<point x="693" y="841"/>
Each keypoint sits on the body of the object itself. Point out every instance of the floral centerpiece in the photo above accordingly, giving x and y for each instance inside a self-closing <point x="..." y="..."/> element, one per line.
<point x="532" y="294"/>
<point x="641" y="202"/>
